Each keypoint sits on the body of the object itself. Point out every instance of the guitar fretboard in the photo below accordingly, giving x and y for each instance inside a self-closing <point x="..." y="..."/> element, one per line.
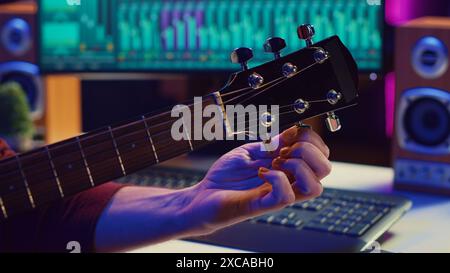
<point x="63" y="169"/>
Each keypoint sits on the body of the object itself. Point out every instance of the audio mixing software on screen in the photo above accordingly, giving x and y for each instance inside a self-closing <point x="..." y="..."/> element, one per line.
<point x="131" y="35"/>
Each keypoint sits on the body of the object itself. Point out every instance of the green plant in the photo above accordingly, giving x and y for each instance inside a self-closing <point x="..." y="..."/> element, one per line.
<point x="15" y="117"/>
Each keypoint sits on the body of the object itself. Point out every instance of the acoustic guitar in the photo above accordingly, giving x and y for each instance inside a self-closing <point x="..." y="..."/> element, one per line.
<point x="319" y="79"/>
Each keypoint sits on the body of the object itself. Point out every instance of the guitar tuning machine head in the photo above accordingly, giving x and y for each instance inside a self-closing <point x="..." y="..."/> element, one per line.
<point x="320" y="56"/>
<point x="306" y="32"/>
<point x="255" y="80"/>
<point x="274" y="45"/>
<point x="289" y="70"/>
<point x="300" y="106"/>
<point x="333" y="97"/>
<point x="333" y="123"/>
<point x="267" y="119"/>
<point x="241" y="56"/>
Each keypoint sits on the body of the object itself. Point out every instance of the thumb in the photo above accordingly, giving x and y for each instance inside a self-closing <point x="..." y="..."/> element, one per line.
<point x="281" y="194"/>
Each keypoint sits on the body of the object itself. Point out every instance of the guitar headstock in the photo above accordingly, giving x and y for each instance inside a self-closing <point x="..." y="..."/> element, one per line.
<point x="317" y="80"/>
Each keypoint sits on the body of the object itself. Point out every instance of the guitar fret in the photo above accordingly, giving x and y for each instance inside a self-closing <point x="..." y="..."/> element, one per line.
<point x="30" y="196"/>
<point x="85" y="162"/>
<point x="117" y="151"/>
<point x="2" y="207"/>
<point x="55" y="174"/>
<point x="147" y="129"/>
<point x="187" y="135"/>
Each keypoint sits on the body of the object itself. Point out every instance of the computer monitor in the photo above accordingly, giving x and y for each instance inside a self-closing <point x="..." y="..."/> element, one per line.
<point x="193" y="35"/>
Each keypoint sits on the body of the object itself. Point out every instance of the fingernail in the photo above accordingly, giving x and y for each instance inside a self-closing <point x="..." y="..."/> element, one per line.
<point x="262" y="171"/>
<point x="279" y="161"/>
<point x="285" y="151"/>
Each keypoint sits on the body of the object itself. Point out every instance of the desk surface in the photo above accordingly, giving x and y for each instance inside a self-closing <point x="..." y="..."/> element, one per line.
<point x="425" y="228"/>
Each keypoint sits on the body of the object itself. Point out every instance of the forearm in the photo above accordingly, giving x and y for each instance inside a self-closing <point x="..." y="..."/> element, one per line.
<point x="138" y="216"/>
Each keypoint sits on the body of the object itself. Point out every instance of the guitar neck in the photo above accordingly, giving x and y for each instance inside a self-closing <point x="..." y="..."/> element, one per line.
<point x="313" y="81"/>
<point x="65" y="168"/>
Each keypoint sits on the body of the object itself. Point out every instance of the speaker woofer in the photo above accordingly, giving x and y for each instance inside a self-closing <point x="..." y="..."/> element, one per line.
<point x="429" y="58"/>
<point x="427" y="121"/>
<point x="16" y="36"/>
<point x="423" y="118"/>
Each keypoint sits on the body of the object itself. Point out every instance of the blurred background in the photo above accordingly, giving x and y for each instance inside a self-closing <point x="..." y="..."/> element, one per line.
<point x="68" y="67"/>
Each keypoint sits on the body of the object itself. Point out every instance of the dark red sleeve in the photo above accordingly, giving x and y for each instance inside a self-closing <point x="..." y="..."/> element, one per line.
<point x="50" y="228"/>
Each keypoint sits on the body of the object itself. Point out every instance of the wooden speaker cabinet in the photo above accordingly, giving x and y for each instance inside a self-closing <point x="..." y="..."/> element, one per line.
<point x="18" y="52"/>
<point x="421" y="146"/>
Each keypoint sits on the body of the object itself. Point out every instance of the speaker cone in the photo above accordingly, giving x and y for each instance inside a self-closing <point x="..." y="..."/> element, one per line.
<point x="427" y="121"/>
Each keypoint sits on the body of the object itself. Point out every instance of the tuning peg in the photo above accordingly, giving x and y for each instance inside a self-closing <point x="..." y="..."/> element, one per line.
<point x="333" y="123"/>
<point x="306" y="32"/>
<point x="242" y="55"/>
<point x="274" y="45"/>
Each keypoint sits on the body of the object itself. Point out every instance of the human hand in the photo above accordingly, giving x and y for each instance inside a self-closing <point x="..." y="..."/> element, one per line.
<point x="247" y="182"/>
<point x="243" y="183"/>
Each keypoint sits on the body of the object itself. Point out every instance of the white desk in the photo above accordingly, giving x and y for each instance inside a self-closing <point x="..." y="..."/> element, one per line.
<point x="426" y="228"/>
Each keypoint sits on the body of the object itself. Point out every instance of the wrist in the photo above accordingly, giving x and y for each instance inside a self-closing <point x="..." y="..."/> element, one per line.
<point x="189" y="217"/>
<point x="138" y="216"/>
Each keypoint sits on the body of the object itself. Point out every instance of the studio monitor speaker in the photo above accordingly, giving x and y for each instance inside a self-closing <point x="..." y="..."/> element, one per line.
<point x="18" y="51"/>
<point x="421" y="149"/>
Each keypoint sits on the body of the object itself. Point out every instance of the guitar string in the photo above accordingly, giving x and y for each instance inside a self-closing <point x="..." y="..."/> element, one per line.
<point x="260" y="92"/>
<point x="13" y="195"/>
<point x="265" y="88"/>
<point x="273" y="83"/>
<point x="125" y="144"/>
<point x="155" y="135"/>
<point x="161" y="150"/>
<point x="282" y="77"/>
<point x="41" y="185"/>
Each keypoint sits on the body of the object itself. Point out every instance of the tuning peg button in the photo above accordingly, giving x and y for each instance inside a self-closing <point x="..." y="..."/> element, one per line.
<point x="333" y="97"/>
<point x="241" y="56"/>
<point x="306" y="32"/>
<point x="275" y="45"/>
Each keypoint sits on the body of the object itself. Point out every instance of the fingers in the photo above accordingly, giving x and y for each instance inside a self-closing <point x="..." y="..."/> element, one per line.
<point x="288" y="138"/>
<point x="315" y="159"/>
<point x="296" y="134"/>
<point x="307" y="185"/>
<point x="282" y="193"/>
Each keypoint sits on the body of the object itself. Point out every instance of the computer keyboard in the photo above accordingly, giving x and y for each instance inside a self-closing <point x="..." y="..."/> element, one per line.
<point x="338" y="220"/>
<point x="341" y="214"/>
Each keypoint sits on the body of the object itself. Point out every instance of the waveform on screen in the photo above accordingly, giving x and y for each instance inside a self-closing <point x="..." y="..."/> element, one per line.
<point x="195" y="34"/>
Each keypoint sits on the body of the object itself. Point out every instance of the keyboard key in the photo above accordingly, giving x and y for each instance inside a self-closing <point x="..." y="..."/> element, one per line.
<point x="302" y="205"/>
<point x="320" y="220"/>
<point x="279" y="220"/>
<point x="354" y="217"/>
<point x="347" y="198"/>
<point x="372" y="218"/>
<point x="348" y="223"/>
<point x="294" y="223"/>
<point x="333" y="220"/>
<point x="316" y="207"/>
<point x="319" y="227"/>
<point x="341" y="229"/>
<point x="341" y="203"/>
<point x="368" y="207"/>
<point x="328" y="194"/>
<point x="383" y="210"/>
<point x="265" y="219"/>
<point x="361" y="212"/>
<point x="361" y="199"/>
<point x="358" y="229"/>
<point x="288" y="214"/>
